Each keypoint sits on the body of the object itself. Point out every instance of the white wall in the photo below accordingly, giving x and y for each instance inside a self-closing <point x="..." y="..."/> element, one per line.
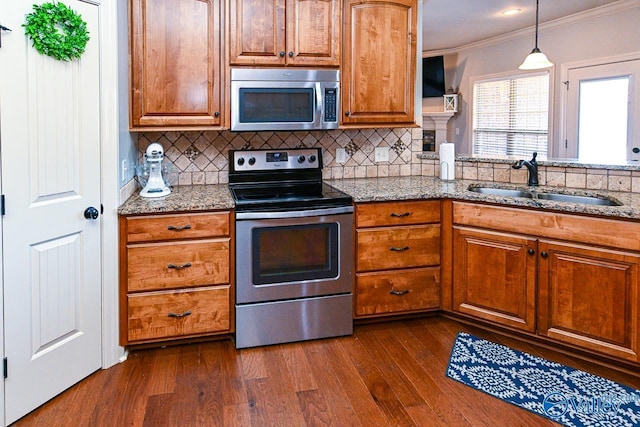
<point x="575" y="40"/>
<point x="127" y="142"/>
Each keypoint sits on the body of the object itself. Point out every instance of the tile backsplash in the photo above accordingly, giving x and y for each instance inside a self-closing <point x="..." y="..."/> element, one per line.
<point x="202" y="157"/>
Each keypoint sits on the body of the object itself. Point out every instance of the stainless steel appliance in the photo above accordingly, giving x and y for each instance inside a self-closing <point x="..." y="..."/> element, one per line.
<point x="284" y="99"/>
<point x="294" y="267"/>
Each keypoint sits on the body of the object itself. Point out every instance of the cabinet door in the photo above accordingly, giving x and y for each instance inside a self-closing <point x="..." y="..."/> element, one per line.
<point x="494" y="277"/>
<point x="306" y="33"/>
<point x="589" y="298"/>
<point x="313" y="32"/>
<point x="379" y="66"/>
<point x="257" y="32"/>
<point x="176" y="66"/>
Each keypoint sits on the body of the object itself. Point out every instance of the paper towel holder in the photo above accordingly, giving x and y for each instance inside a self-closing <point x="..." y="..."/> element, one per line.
<point x="444" y="174"/>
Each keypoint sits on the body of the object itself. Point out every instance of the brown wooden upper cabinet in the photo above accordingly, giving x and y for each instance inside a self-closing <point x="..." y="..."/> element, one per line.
<point x="284" y="32"/>
<point x="176" y="63"/>
<point x="379" y="65"/>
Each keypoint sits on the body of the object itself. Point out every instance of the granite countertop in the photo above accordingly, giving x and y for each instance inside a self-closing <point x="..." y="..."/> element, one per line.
<point x="218" y="197"/>
<point x="419" y="187"/>
<point x="183" y="198"/>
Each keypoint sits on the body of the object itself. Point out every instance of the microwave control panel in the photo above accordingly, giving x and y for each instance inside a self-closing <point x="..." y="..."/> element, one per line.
<point x="330" y="104"/>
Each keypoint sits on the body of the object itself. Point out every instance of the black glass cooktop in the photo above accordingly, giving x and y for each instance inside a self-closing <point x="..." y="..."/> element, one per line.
<point x="278" y="196"/>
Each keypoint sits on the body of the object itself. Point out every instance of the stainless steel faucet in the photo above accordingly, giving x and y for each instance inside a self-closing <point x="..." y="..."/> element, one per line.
<point x="532" y="167"/>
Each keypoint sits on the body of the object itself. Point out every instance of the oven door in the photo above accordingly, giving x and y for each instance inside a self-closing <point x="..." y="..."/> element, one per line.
<point x="297" y="254"/>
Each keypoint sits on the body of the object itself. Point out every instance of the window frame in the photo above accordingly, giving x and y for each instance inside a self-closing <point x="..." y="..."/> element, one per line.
<point x="562" y="150"/>
<point x="509" y="76"/>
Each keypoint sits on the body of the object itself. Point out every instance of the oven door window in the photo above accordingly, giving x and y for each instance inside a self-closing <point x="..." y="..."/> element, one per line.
<point x="295" y="253"/>
<point x="276" y="105"/>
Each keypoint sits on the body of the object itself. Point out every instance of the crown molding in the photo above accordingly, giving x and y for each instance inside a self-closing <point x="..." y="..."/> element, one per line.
<point x="597" y="12"/>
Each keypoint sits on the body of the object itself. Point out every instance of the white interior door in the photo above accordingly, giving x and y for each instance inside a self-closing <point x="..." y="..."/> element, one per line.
<point x="603" y="113"/>
<point x="50" y="148"/>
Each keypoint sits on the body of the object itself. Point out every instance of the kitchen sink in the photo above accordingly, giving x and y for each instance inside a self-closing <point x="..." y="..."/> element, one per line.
<point x="502" y="192"/>
<point x="584" y="200"/>
<point x="555" y="197"/>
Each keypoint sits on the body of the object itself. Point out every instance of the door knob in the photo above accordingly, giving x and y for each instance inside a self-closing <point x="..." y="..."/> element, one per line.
<point x="91" y="213"/>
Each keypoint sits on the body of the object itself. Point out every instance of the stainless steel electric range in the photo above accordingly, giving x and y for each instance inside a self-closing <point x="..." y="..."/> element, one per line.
<point x="294" y="265"/>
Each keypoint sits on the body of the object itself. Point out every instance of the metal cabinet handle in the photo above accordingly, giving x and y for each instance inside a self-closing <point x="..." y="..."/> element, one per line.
<point x="290" y="54"/>
<point x="347" y="113"/>
<point x="179" y="266"/>
<point x="394" y="292"/>
<point x="282" y="54"/>
<point x="174" y="228"/>
<point x="544" y="254"/>
<point x="178" y="315"/>
<point x="396" y="249"/>
<point x="531" y="251"/>
<point x="400" y="215"/>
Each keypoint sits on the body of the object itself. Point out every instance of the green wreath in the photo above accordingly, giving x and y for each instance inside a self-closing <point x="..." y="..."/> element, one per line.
<point x="57" y="31"/>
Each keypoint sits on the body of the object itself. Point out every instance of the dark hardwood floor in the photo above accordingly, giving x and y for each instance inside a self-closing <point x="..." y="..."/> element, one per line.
<point x="385" y="374"/>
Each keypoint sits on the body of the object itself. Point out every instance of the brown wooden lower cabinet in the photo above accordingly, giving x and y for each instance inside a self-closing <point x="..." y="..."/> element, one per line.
<point x="397" y="258"/>
<point x="495" y="277"/>
<point x="397" y="291"/>
<point x="587" y="297"/>
<point x="176" y="277"/>
<point x="167" y="314"/>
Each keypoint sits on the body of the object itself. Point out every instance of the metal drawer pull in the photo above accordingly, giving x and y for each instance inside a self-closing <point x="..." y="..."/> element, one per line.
<point x="186" y="313"/>
<point x="184" y="227"/>
<point x="402" y="249"/>
<point x="179" y="266"/>
<point x="400" y="215"/>
<point x="394" y="292"/>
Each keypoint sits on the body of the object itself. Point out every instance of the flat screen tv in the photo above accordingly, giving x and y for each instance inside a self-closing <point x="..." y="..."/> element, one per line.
<point x="432" y="77"/>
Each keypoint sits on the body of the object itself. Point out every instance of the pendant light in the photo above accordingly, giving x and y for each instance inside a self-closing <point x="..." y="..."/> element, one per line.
<point x="536" y="59"/>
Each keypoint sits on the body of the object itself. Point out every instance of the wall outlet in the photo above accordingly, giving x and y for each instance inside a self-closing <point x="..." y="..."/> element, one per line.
<point x="123" y="172"/>
<point x="382" y="154"/>
<point x="341" y="155"/>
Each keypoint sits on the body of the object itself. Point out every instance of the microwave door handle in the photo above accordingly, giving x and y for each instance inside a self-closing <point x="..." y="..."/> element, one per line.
<point x="319" y="112"/>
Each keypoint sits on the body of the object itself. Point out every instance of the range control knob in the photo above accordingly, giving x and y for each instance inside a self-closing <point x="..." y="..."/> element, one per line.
<point x="301" y="159"/>
<point x="241" y="161"/>
<point x="312" y="158"/>
<point x="252" y="161"/>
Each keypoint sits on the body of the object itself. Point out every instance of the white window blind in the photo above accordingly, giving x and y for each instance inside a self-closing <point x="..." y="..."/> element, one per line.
<point x="511" y="116"/>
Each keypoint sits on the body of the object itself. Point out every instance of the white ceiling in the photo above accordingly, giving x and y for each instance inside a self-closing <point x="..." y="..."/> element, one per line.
<point x="448" y="24"/>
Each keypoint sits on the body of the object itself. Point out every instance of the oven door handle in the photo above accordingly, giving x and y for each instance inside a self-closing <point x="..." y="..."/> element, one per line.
<point x="294" y="214"/>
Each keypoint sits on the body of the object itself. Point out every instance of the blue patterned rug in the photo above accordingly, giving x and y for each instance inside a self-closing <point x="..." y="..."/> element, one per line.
<point x="563" y="394"/>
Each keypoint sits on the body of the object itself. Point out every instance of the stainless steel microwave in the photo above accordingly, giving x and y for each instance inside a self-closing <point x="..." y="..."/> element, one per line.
<point x="284" y="99"/>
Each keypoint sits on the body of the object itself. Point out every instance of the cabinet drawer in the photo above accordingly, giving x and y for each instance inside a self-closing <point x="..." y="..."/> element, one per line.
<point x="156" y="266"/>
<point x="173" y="227"/>
<point x="398" y="247"/>
<point x="397" y="213"/>
<point x="397" y="291"/>
<point x="155" y="315"/>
